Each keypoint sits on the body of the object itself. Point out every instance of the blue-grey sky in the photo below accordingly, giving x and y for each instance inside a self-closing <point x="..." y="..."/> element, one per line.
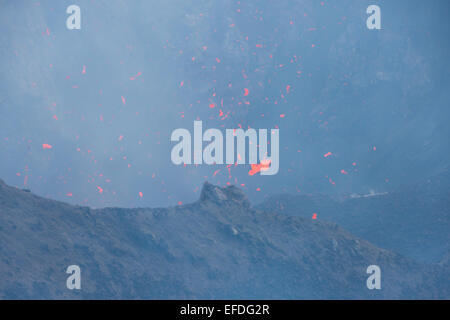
<point x="107" y="97"/>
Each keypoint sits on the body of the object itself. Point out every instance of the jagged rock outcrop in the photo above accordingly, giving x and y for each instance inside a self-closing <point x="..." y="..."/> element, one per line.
<point x="229" y="194"/>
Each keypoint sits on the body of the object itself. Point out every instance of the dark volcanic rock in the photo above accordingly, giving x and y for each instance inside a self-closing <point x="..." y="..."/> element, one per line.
<point x="413" y="220"/>
<point x="219" y="195"/>
<point x="217" y="247"/>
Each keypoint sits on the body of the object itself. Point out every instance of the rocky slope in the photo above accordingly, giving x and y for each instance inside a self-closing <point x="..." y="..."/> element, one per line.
<point x="412" y="220"/>
<point x="217" y="247"/>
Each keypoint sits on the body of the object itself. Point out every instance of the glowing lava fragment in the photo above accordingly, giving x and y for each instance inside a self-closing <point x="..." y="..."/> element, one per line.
<point x="46" y="146"/>
<point x="264" y="165"/>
